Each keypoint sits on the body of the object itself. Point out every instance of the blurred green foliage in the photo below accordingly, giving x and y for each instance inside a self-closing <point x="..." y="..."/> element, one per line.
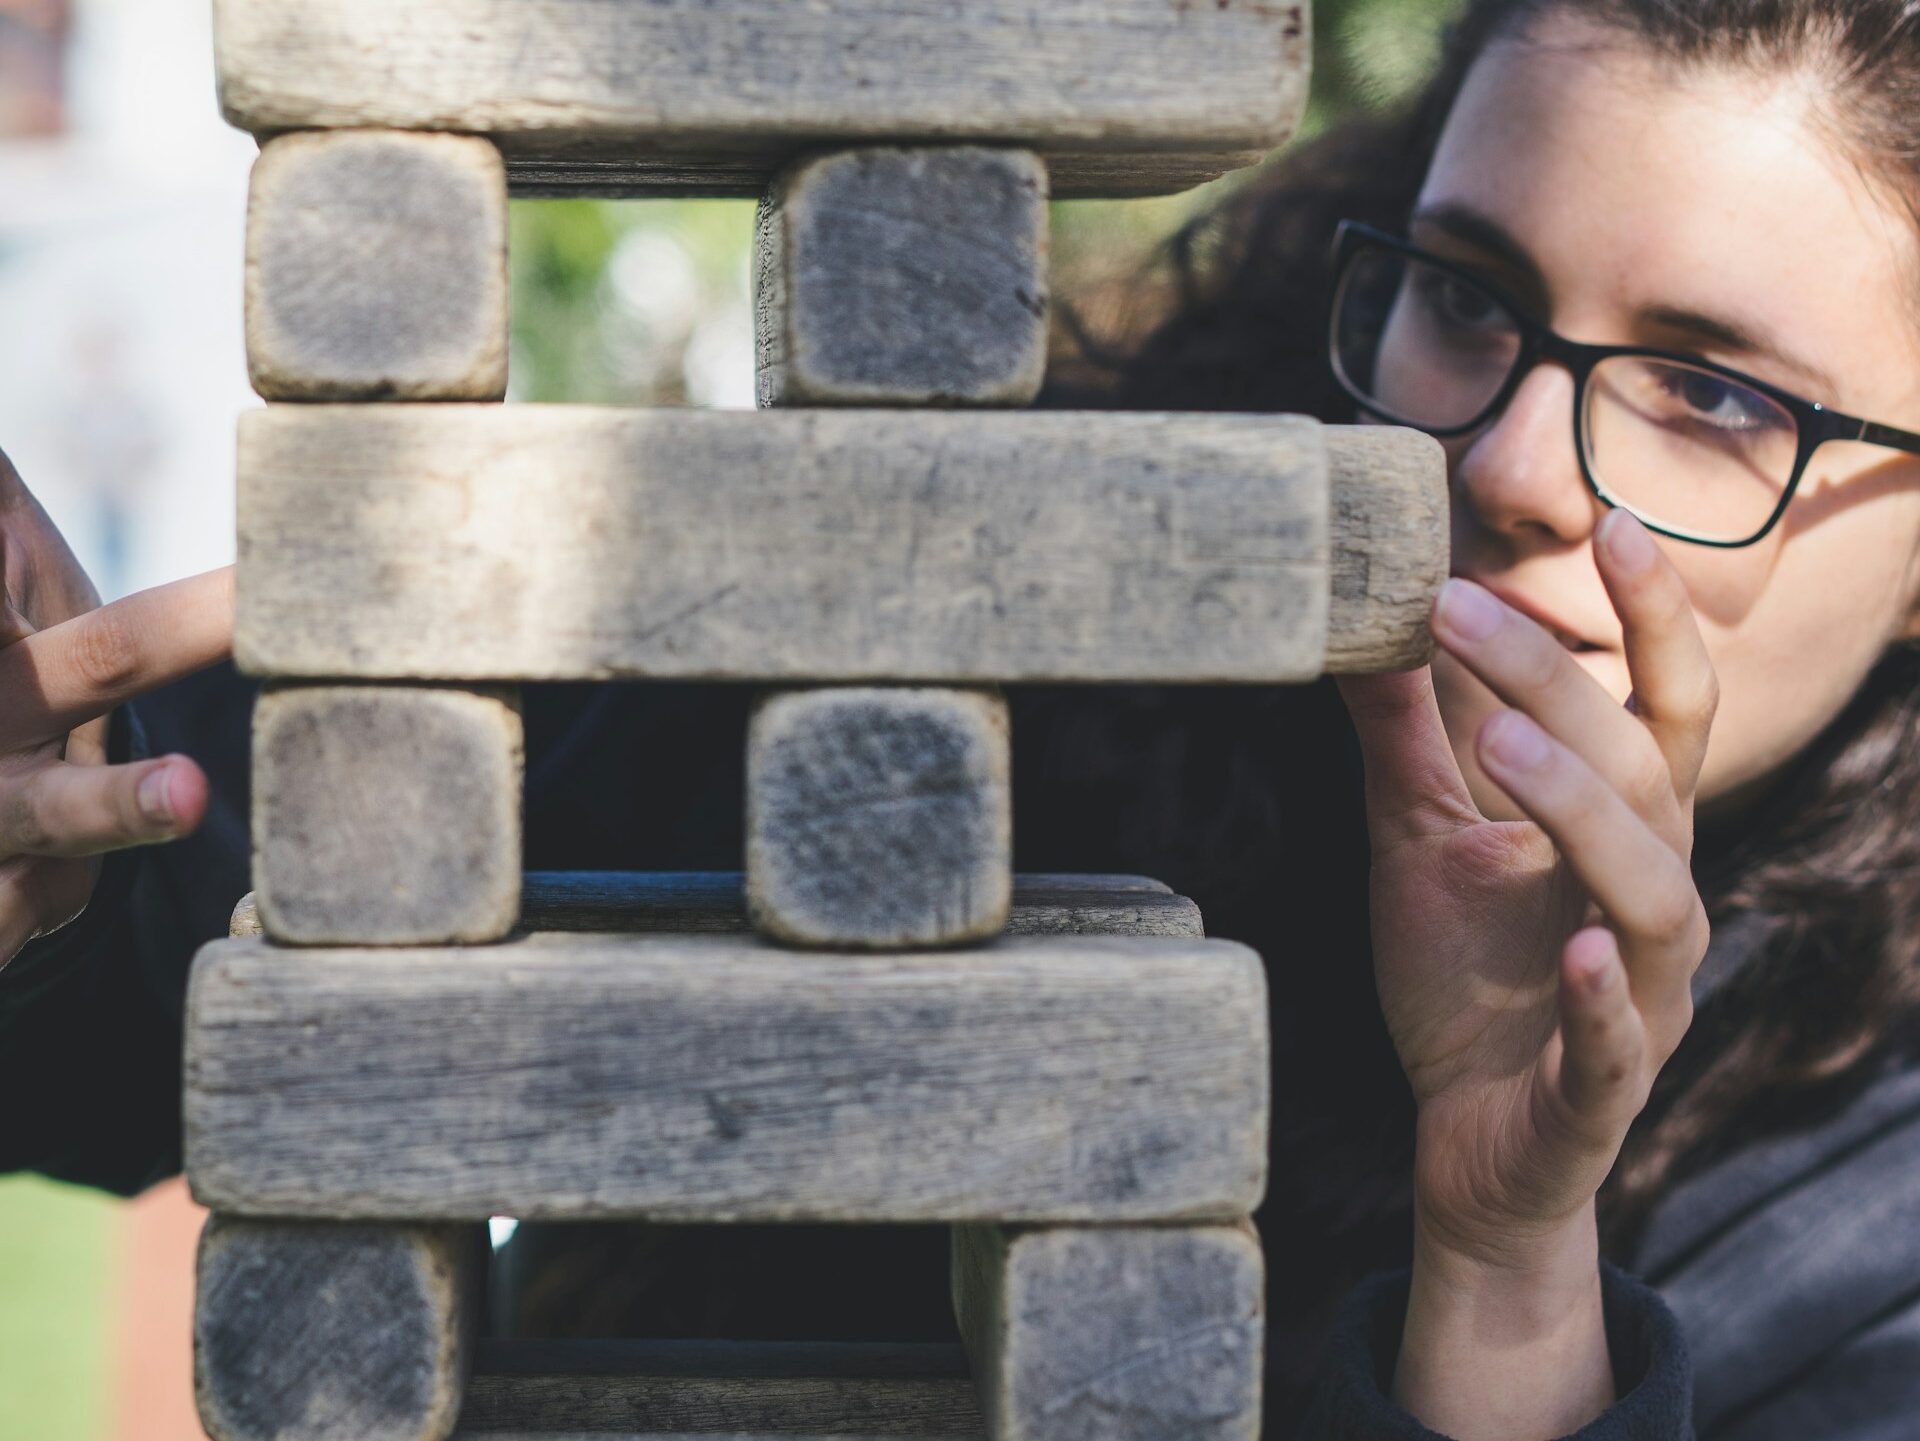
<point x="648" y="303"/>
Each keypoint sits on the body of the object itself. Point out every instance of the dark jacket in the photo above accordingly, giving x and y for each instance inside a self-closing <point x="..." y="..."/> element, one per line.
<point x="1793" y="1266"/>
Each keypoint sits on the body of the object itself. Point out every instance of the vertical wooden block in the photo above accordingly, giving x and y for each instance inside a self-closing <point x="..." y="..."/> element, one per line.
<point x="377" y="268"/>
<point x="1114" y="1334"/>
<point x="318" y="1331"/>
<point x="904" y="277"/>
<point x="386" y="815"/>
<point x="879" y="817"/>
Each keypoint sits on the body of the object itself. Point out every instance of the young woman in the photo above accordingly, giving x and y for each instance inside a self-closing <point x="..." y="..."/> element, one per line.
<point x="1651" y="268"/>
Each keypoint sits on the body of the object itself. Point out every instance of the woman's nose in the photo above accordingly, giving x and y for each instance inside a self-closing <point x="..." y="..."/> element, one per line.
<point x="1520" y="475"/>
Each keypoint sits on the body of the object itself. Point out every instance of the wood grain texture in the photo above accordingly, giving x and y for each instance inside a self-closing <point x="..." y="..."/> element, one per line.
<point x="895" y="276"/>
<point x="669" y="1390"/>
<point x="715" y="902"/>
<point x="311" y="1331"/>
<point x="712" y="91"/>
<point x="562" y="542"/>
<point x="377" y="268"/>
<point x="704" y="1078"/>
<point x="1391" y="548"/>
<point x="879" y="817"/>
<point x="1114" y="1333"/>
<point x="386" y="815"/>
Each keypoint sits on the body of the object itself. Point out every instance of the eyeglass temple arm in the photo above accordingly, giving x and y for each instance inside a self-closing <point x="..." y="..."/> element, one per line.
<point x="1874" y="433"/>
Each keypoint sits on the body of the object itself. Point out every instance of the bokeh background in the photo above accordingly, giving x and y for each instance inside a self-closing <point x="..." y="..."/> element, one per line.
<point x="122" y="197"/>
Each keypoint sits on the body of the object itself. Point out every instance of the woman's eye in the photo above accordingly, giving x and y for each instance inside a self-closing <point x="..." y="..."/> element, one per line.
<point x="1723" y="404"/>
<point x="1457" y="303"/>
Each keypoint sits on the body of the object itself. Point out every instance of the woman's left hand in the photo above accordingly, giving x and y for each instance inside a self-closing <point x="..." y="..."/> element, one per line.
<point x="1535" y="975"/>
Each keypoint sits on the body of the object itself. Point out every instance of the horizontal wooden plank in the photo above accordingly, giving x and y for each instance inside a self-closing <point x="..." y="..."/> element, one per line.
<point x="670" y="1390"/>
<point x="720" y="92"/>
<point x="879" y="817"/>
<point x="309" y="1331"/>
<point x="705" y="1078"/>
<point x="715" y="902"/>
<point x="1111" y="1333"/>
<point x="460" y="542"/>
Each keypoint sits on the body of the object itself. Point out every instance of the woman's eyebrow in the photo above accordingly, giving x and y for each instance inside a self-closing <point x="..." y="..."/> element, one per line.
<point x="1739" y="340"/>
<point x="1483" y="232"/>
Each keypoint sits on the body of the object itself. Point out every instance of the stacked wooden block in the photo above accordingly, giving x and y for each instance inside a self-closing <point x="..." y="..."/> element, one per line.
<point x="878" y="1022"/>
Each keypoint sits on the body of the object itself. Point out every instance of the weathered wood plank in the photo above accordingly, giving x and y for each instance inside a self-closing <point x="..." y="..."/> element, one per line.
<point x="617" y="173"/>
<point x="386" y="815"/>
<point x="1391" y="549"/>
<point x="377" y="268"/>
<point x="670" y="1390"/>
<point x="894" y="276"/>
<point x="555" y="542"/>
<point x="702" y="1078"/>
<point x="710" y="902"/>
<point x="710" y="91"/>
<point x="879" y="817"/>
<point x="312" y="1331"/>
<point x="1114" y="1334"/>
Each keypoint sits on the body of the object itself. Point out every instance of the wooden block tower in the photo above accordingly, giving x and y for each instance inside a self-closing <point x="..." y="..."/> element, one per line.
<point x="878" y="1022"/>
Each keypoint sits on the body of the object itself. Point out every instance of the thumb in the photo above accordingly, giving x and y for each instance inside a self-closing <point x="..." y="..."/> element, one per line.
<point x="1413" y="782"/>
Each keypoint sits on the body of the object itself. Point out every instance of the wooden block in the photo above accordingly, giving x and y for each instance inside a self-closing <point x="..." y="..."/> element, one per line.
<point x="681" y="1390"/>
<point x="714" y="95"/>
<point x="888" y="276"/>
<point x="1114" y="1334"/>
<point x="705" y="1078"/>
<point x="311" y="1331"/>
<point x="386" y="815"/>
<point x="879" y="817"/>
<point x="1391" y="546"/>
<point x="554" y="542"/>
<point x="377" y="268"/>
<point x="710" y="902"/>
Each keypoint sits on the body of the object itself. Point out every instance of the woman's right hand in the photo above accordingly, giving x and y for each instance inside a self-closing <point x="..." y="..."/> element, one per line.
<point x="66" y="662"/>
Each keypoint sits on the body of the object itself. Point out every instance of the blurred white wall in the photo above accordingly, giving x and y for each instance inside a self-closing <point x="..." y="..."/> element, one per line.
<point x="122" y="366"/>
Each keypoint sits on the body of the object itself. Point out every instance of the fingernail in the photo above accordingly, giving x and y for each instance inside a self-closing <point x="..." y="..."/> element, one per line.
<point x="156" y="795"/>
<point x="1467" y="610"/>
<point x="1628" y="542"/>
<point x="1516" y="741"/>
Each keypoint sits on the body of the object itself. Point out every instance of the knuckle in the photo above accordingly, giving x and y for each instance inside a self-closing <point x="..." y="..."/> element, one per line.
<point x="1672" y="917"/>
<point x="23" y="815"/>
<point x="106" y="652"/>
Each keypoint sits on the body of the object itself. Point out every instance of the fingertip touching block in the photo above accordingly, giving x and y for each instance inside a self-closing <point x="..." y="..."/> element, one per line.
<point x="321" y="1331"/>
<point x="1114" y="1333"/>
<point x="377" y="268"/>
<point x="891" y="276"/>
<point x="387" y="815"/>
<point x="879" y="817"/>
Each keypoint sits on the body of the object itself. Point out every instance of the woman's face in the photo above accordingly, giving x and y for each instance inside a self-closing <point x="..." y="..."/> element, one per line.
<point x="1629" y="202"/>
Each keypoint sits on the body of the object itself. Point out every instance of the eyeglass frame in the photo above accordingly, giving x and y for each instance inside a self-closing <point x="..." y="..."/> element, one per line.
<point x="1816" y="424"/>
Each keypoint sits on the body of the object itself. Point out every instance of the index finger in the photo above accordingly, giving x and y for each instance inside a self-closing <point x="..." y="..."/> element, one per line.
<point x="1675" y="690"/>
<point x="57" y="679"/>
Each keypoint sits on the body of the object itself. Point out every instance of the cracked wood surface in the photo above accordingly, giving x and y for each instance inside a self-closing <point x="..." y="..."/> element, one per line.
<point x="712" y="96"/>
<point x="696" y="1078"/>
<point x="1114" y="1333"/>
<point x="456" y="542"/>
<point x="715" y="902"/>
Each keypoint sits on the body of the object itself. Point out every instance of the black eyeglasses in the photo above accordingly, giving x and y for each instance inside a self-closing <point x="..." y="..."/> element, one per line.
<point x="1696" y="450"/>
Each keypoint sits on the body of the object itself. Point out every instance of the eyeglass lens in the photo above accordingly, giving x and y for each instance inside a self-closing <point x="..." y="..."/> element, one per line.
<point x="1681" y="446"/>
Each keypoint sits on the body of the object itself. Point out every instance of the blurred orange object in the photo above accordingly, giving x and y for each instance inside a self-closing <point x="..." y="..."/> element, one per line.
<point x="153" y="1317"/>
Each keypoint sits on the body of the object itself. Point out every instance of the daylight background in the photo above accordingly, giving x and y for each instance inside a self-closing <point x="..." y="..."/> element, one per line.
<point x="122" y="199"/>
